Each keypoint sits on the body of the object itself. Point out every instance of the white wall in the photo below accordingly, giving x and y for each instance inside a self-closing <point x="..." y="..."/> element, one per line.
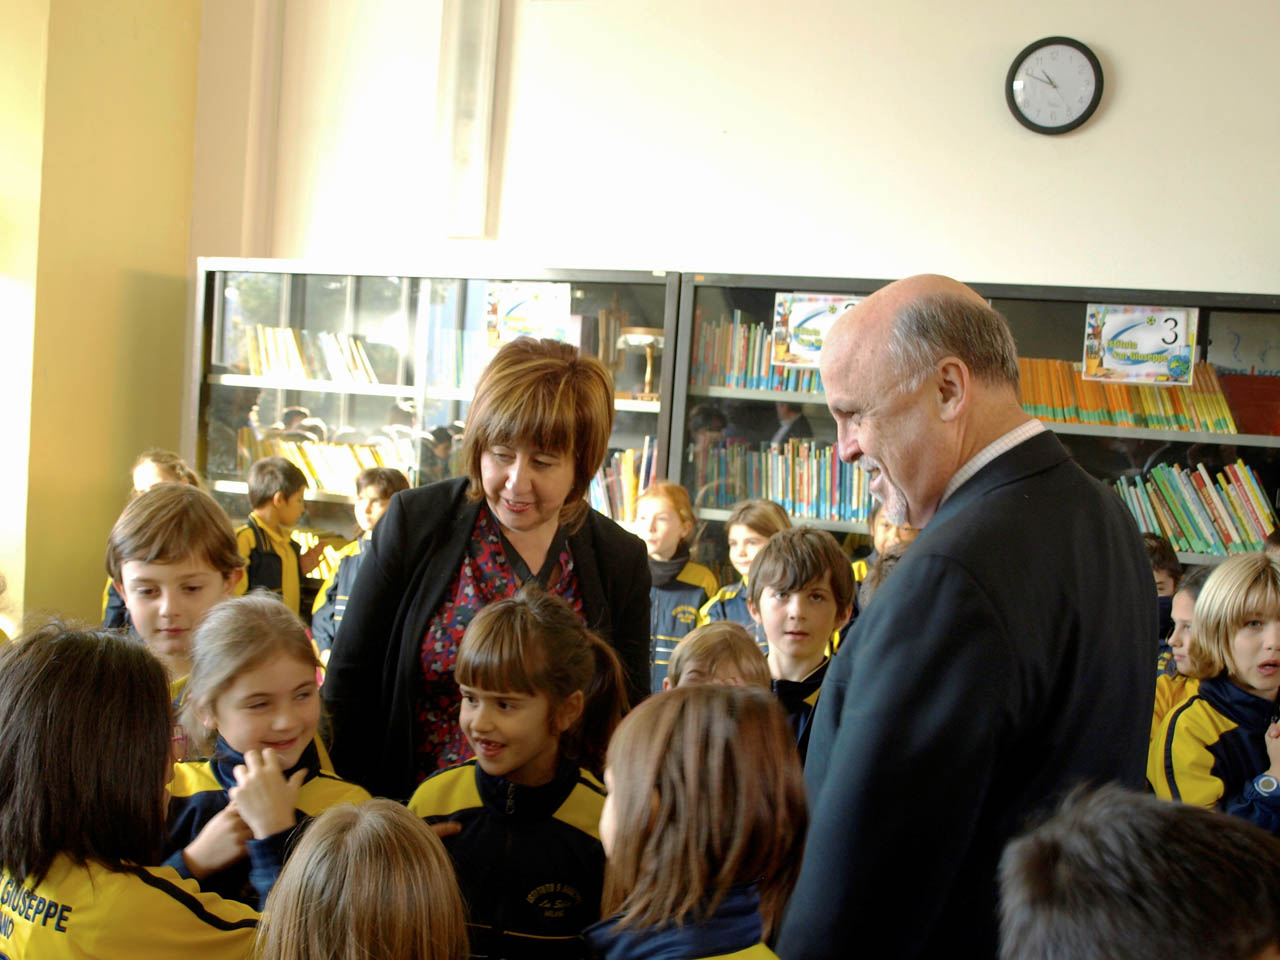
<point x="857" y="138"/>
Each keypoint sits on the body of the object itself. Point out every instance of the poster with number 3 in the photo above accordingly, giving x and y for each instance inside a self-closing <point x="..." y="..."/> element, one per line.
<point x="1151" y="345"/>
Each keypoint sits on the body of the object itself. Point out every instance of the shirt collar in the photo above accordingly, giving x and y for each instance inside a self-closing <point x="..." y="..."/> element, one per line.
<point x="1019" y="434"/>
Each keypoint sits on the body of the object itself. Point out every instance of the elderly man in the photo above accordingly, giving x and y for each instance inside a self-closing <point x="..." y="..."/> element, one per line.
<point x="1008" y="658"/>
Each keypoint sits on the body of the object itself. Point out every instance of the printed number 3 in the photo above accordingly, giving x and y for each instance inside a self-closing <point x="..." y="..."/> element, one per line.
<point x="1172" y="324"/>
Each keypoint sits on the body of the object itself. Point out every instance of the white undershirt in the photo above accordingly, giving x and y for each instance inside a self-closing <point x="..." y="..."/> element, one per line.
<point x="1019" y="434"/>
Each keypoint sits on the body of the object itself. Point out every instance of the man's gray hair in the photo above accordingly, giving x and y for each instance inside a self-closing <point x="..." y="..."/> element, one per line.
<point x="941" y="325"/>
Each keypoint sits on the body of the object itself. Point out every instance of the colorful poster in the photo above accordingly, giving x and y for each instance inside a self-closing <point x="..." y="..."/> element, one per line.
<point x="530" y="309"/>
<point x="800" y="324"/>
<point x="1151" y="345"/>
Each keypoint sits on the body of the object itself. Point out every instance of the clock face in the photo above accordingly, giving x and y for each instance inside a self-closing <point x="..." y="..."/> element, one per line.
<point x="1054" y="85"/>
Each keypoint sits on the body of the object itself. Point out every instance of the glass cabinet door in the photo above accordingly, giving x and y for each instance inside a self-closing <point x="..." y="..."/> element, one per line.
<point x="338" y="372"/>
<point x="749" y="428"/>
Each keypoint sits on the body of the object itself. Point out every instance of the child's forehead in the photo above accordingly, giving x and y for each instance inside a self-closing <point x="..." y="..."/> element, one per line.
<point x="190" y="565"/>
<point x="820" y="582"/>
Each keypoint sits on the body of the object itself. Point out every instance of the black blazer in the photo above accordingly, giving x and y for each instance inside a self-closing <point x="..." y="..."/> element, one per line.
<point x="1007" y="658"/>
<point x="416" y="550"/>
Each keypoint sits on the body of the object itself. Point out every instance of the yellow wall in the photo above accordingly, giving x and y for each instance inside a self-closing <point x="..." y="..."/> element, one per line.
<point x="23" y="33"/>
<point x="111" y="275"/>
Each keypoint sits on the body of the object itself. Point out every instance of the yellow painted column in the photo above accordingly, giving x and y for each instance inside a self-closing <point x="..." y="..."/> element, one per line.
<point x="24" y="30"/>
<point x="110" y="271"/>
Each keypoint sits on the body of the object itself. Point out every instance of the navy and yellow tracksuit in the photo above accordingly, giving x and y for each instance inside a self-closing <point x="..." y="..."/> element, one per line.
<point x="140" y="913"/>
<point x="799" y="699"/>
<point x="674" y="601"/>
<point x="331" y="601"/>
<point x="1209" y="749"/>
<point x="734" y="930"/>
<point x="730" y="603"/>
<point x="528" y="859"/>
<point x="1171" y="690"/>
<point x="273" y="561"/>
<point x="198" y="792"/>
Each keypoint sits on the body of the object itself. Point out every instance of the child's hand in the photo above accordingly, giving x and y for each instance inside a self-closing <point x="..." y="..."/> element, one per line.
<point x="311" y="559"/>
<point x="220" y="844"/>
<point x="1272" y="741"/>
<point x="265" y="799"/>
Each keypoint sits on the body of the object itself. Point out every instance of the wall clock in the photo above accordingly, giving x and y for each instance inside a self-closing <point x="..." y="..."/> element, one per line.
<point x="1054" y="85"/>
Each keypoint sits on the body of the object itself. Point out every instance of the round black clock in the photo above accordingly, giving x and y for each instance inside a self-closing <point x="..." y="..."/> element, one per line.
<point x="1054" y="85"/>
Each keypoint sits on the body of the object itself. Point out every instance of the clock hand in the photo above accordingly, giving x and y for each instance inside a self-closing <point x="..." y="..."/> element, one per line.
<point x="1034" y="77"/>
<point x="1048" y="79"/>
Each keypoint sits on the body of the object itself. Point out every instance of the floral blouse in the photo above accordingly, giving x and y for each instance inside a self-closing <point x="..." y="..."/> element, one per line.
<point x="485" y="576"/>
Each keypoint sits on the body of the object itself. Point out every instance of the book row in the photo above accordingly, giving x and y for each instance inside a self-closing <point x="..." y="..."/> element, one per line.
<point x="1221" y="513"/>
<point x="739" y="352"/>
<point x="1055" y="390"/>
<point x="805" y="476"/>
<point x="306" y="354"/>
<point x="620" y="481"/>
<point x="332" y="467"/>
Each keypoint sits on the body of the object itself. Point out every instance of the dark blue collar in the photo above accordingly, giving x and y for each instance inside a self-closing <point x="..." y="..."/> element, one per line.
<point x="506" y="799"/>
<point x="1250" y="712"/>
<point x="735" y="926"/>
<point x="225" y="760"/>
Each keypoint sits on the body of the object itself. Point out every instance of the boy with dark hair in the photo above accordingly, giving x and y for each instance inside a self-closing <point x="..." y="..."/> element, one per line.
<point x="1167" y="570"/>
<point x="801" y="593"/>
<point x="171" y="556"/>
<point x="274" y="560"/>
<point x="374" y="489"/>
<point x="1126" y="876"/>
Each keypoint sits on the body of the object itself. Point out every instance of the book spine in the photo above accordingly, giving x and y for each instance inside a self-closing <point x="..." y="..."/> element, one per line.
<point x="1257" y="529"/>
<point x="1208" y="531"/>
<point x="1226" y="531"/>
<point x="1176" y="506"/>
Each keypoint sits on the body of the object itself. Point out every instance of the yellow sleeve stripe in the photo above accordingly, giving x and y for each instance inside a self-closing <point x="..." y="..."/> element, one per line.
<point x="582" y="808"/>
<point x="324" y="791"/>
<point x="192" y="777"/>
<point x="447" y="792"/>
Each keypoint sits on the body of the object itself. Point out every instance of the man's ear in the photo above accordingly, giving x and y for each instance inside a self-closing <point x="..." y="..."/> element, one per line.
<point x="953" y="383"/>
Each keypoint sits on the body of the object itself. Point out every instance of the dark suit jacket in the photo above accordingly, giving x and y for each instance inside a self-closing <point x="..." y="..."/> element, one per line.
<point x="416" y="550"/>
<point x="1006" y="659"/>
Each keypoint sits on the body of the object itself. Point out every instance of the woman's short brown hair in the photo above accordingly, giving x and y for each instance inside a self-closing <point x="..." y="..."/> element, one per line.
<point x="548" y="394"/>
<point x="1239" y="589"/>
<point x="169" y="523"/>
<point x="377" y="855"/>
<point x="85" y="721"/>
<point x="707" y="794"/>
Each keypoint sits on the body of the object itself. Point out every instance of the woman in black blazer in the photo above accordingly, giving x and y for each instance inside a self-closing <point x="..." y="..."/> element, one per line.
<point x="537" y="432"/>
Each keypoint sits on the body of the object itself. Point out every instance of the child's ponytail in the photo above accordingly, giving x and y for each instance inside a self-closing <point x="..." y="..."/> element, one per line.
<point x="604" y="703"/>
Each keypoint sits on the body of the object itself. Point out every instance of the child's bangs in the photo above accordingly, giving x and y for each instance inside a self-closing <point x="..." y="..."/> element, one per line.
<point x="1261" y="600"/>
<point x="496" y="658"/>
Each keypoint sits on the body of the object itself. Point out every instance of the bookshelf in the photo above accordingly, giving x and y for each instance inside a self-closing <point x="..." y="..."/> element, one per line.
<point x="382" y="358"/>
<point x="726" y="403"/>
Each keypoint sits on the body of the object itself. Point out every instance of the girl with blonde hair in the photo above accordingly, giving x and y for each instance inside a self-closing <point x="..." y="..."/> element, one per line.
<point x="252" y="706"/>
<point x="381" y="858"/>
<point x="1220" y="747"/>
